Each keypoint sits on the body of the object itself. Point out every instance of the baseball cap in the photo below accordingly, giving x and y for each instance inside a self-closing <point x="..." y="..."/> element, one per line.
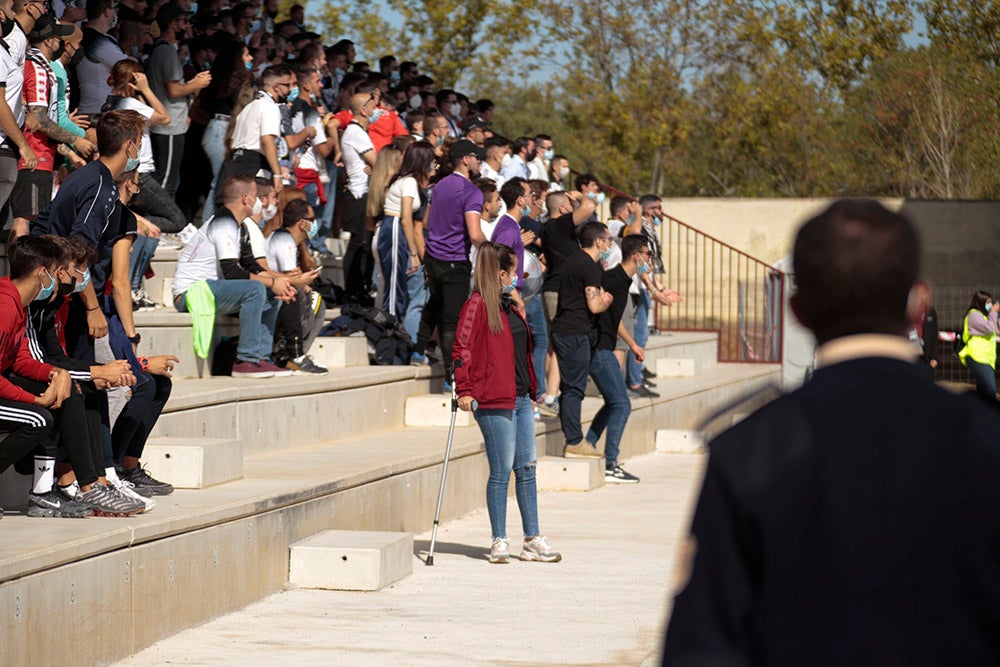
<point x="170" y="11"/>
<point x="470" y="124"/>
<point x="47" y="26"/>
<point x="464" y="147"/>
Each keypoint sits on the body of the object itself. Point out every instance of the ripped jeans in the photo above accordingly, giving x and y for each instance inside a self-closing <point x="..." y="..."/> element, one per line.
<point x="510" y="445"/>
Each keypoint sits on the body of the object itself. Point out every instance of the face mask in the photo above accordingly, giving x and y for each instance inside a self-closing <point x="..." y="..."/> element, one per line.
<point x="642" y="268"/>
<point x="249" y="65"/>
<point x="531" y="156"/>
<point x="440" y="141"/>
<point x="194" y="7"/>
<point x="114" y="21"/>
<point x="507" y="289"/>
<point x="293" y="94"/>
<point x="82" y="284"/>
<point x="415" y="102"/>
<point x="394" y="76"/>
<point x="605" y="254"/>
<point x="76" y="58"/>
<point x="339" y="73"/>
<point x="455" y="110"/>
<point x="525" y="211"/>
<point x="313" y="228"/>
<point x="378" y="113"/>
<point x="505" y="161"/>
<point x="597" y="197"/>
<point x="132" y="164"/>
<point x="67" y="288"/>
<point x="255" y="26"/>
<point x="258" y="208"/>
<point x="656" y="222"/>
<point x="563" y="173"/>
<point x="46" y="292"/>
<point x="58" y="51"/>
<point x="988" y="306"/>
<point x="548" y="155"/>
<point x="269" y="212"/>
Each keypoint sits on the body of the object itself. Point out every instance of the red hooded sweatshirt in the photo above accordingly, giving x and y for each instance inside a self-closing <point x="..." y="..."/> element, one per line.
<point x="15" y="357"/>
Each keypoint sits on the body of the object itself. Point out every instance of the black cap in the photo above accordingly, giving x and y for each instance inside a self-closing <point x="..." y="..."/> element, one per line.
<point x="464" y="147"/>
<point x="474" y="123"/>
<point x="47" y="26"/>
<point x="170" y="11"/>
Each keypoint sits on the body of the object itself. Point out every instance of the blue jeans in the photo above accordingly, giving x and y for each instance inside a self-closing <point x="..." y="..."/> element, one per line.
<point x="142" y="252"/>
<point x="317" y="242"/>
<point x="510" y="445"/>
<point x="986" y="379"/>
<point x="573" y="354"/>
<point x="539" y="339"/>
<point x="249" y="299"/>
<point x="416" y="288"/>
<point x="613" y="415"/>
<point x="641" y="335"/>
<point x="214" y="143"/>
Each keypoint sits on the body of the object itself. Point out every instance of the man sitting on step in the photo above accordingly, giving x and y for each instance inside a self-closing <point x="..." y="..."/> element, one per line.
<point x="212" y="255"/>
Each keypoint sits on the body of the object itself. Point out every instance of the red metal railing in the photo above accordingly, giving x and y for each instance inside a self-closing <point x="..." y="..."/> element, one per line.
<point x="725" y="290"/>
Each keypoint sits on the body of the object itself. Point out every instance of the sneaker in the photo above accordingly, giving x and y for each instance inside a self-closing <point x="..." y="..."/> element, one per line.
<point x="144" y="483"/>
<point x="647" y="374"/>
<point x="305" y="366"/>
<point x="417" y="359"/>
<point x="278" y="371"/>
<point x="141" y="301"/>
<point x="500" y="551"/>
<point x="641" y="392"/>
<point x="582" y="450"/>
<point x="617" y="475"/>
<point x="648" y="383"/>
<point x="446" y="387"/>
<point x="537" y="548"/>
<point x="549" y="409"/>
<point x="251" y="369"/>
<point x="106" y="501"/>
<point x="128" y="489"/>
<point x="538" y="414"/>
<point x="53" y="504"/>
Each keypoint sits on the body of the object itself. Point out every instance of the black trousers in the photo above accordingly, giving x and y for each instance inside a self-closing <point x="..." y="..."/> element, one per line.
<point x="358" y="260"/>
<point x="29" y="428"/>
<point x="168" y="152"/>
<point x="448" y="284"/>
<point x="137" y="419"/>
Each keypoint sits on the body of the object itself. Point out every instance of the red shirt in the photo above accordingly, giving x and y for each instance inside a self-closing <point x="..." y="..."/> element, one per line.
<point x="40" y="90"/>
<point x="15" y="357"/>
<point x="385" y="129"/>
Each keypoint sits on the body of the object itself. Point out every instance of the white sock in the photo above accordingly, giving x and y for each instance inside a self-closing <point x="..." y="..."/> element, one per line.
<point x="111" y="474"/>
<point x="44" y="474"/>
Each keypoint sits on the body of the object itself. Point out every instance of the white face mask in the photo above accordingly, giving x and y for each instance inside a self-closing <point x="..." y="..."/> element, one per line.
<point x="415" y="102"/>
<point x="270" y="211"/>
<point x="505" y="161"/>
<point x="258" y="207"/>
<point x="456" y="110"/>
<point x="563" y="173"/>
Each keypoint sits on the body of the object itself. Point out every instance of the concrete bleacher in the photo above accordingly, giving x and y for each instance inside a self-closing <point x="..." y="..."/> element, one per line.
<point x="317" y="454"/>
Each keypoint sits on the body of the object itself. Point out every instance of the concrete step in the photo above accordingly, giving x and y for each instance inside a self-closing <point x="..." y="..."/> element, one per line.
<point x="676" y="367"/>
<point x="340" y="351"/>
<point x="434" y="410"/>
<point x="351" y="560"/>
<point x="678" y="441"/>
<point x="556" y="473"/>
<point x="195" y="463"/>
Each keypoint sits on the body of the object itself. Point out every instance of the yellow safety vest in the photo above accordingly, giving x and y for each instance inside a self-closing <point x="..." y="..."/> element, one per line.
<point x="981" y="348"/>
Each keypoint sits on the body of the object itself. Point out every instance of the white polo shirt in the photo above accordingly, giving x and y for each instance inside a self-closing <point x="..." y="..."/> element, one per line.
<point x="259" y="118"/>
<point x="353" y="145"/>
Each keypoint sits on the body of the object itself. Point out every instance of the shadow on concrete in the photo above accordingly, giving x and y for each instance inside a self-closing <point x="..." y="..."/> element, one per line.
<point x="476" y="552"/>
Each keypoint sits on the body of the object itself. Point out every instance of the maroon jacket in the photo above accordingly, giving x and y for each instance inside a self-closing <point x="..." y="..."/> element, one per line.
<point x="487" y="370"/>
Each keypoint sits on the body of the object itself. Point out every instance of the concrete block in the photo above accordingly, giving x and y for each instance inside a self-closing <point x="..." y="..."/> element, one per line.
<point x="434" y="410"/>
<point x="351" y="560"/>
<point x="194" y="463"/>
<point x="340" y="352"/>
<point x="555" y="473"/>
<point x="678" y="441"/>
<point x="673" y="367"/>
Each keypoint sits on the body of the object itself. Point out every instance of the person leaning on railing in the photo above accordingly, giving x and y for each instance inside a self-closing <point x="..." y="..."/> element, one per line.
<point x="979" y="333"/>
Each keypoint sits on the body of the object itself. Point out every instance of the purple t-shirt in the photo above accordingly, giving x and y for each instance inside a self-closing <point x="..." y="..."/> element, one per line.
<point x="447" y="236"/>
<point x="508" y="233"/>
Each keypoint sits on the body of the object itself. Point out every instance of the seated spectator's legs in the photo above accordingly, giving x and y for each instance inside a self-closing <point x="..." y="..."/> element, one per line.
<point x="135" y="423"/>
<point x="32" y="193"/>
<point x="573" y="353"/>
<point x="617" y="407"/>
<point x="156" y="204"/>
<point x="416" y="290"/>
<point x="30" y="429"/>
<point x="312" y="320"/>
<point x="143" y="249"/>
<point x="249" y="299"/>
<point x="539" y="339"/>
<point x="289" y="331"/>
<point x="394" y="260"/>
<point x="270" y="315"/>
<point x="640" y="332"/>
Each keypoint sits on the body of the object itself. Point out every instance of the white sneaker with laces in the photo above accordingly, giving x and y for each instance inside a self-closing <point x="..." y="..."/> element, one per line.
<point x="537" y="548"/>
<point x="500" y="551"/>
<point x="128" y="489"/>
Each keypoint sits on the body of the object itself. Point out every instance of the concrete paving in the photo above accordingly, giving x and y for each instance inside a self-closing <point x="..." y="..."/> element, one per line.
<point x="605" y="603"/>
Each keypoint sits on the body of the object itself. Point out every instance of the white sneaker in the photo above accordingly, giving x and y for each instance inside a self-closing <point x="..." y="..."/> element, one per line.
<point x="500" y="551"/>
<point x="128" y="489"/>
<point x="537" y="548"/>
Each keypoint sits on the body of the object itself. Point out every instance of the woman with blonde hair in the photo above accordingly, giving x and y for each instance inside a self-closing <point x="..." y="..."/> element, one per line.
<point x="386" y="167"/>
<point x="494" y="379"/>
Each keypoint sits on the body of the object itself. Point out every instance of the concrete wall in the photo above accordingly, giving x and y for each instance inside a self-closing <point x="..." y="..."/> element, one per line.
<point x="960" y="238"/>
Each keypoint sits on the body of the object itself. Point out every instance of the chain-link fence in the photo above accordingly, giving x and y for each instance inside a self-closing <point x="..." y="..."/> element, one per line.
<point x="952" y="303"/>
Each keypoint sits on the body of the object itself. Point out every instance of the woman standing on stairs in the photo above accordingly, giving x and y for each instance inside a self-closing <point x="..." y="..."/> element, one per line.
<point x="492" y="355"/>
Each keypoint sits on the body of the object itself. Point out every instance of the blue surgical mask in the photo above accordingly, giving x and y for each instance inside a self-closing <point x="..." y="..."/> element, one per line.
<point x="313" y="228"/>
<point x="46" y="292"/>
<point x="394" y="76"/>
<point x="642" y="268"/>
<point x="132" y="164"/>
<point x="82" y="284"/>
<point x="988" y="306"/>
<point x="605" y="254"/>
<point x="378" y="113"/>
<point x="293" y="94"/>
<point x="597" y="197"/>
<point x="548" y="155"/>
<point x="656" y="222"/>
<point x="507" y="289"/>
<point x="249" y="65"/>
<point x="525" y="211"/>
<point x="194" y="7"/>
<point x="255" y="26"/>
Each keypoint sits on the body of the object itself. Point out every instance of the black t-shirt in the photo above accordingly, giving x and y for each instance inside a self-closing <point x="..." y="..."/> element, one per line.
<point x="579" y="272"/>
<point x="519" y="332"/>
<point x="617" y="283"/>
<point x="558" y="243"/>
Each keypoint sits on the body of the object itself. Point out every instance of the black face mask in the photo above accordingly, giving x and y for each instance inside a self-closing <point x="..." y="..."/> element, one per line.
<point x="58" y="52"/>
<point x="6" y="25"/>
<point x="65" y="289"/>
<point x="76" y="57"/>
<point x="531" y="155"/>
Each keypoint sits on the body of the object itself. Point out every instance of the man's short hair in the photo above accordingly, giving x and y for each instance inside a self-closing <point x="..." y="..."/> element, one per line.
<point x="27" y="253"/>
<point x="414" y="117"/>
<point x="583" y="180"/>
<point x="385" y="61"/>
<point x="97" y="7"/>
<point x="264" y="185"/>
<point x="442" y="95"/>
<point x="520" y="144"/>
<point x="73" y="249"/>
<point x="618" y="202"/>
<point x="310" y="52"/>
<point x="496" y="140"/>
<point x="116" y="128"/>
<point x="590" y="232"/>
<point x="484" y="105"/>
<point x="295" y="211"/>
<point x="542" y="137"/>
<point x="633" y="244"/>
<point x="424" y="80"/>
<point x="236" y="186"/>
<point x="648" y="200"/>
<point x="487" y="186"/>
<point x="510" y="191"/>
<point x="273" y="73"/>
<point x="855" y="264"/>
<point x="554" y="201"/>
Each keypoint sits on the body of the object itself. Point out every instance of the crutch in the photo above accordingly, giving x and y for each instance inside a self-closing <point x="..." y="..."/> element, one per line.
<point x="447" y="457"/>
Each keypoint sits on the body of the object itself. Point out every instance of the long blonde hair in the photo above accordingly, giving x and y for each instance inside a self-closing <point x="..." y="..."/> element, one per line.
<point x="386" y="165"/>
<point x="491" y="259"/>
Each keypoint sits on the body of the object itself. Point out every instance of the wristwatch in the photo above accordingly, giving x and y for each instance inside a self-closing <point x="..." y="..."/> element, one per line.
<point x="136" y="339"/>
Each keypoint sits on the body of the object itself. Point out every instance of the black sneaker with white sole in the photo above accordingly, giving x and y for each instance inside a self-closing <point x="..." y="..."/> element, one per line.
<point x="618" y="475"/>
<point x="52" y="504"/>
<point x="144" y="483"/>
